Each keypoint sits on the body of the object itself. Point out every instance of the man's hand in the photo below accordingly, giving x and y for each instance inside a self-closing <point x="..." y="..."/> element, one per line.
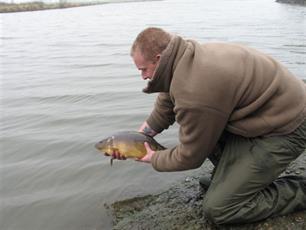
<point x="146" y="129"/>
<point x="148" y="156"/>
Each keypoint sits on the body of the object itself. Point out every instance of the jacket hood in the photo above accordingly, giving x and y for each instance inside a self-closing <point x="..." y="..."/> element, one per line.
<point x="162" y="78"/>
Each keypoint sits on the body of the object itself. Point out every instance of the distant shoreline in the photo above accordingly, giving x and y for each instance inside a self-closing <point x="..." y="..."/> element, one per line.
<point x="38" y="5"/>
<point x="34" y="6"/>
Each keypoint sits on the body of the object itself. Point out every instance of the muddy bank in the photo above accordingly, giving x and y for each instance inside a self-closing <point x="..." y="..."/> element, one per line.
<point x="38" y="5"/>
<point x="33" y="6"/>
<point x="299" y="2"/>
<point x="180" y="207"/>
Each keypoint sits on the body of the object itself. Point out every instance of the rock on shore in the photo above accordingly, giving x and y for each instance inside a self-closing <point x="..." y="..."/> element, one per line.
<point x="180" y="207"/>
<point x="300" y="2"/>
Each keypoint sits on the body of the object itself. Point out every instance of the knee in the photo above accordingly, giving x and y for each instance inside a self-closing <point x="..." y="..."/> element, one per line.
<point x="215" y="212"/>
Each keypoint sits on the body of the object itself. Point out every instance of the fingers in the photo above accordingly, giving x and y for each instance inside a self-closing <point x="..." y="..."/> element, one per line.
<point x="148" y="147"/>
<point x="149" y="153"/>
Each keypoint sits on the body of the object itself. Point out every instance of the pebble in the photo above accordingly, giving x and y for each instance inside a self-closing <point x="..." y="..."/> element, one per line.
<point x="298" y="219"/>
<point x="288" y="171"/>
<point x="297" y="172"/>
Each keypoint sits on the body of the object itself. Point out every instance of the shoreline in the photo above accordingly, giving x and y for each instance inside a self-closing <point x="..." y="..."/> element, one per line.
<point x="36" y="6"/>
<point x="180" y="207"/>
<point x="39" y="5"/>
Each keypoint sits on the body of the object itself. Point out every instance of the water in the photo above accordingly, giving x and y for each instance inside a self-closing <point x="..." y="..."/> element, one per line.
<point x="67" y="81"/>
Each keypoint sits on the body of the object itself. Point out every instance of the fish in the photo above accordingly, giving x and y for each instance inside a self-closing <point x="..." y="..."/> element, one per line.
<point x="130" y="144"/>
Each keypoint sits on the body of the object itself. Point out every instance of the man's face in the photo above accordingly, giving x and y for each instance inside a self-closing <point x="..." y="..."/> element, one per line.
<point x="146" y="67"/>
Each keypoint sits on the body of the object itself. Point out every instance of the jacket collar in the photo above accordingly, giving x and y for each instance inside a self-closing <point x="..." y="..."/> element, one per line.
<point x="162" y="78"/>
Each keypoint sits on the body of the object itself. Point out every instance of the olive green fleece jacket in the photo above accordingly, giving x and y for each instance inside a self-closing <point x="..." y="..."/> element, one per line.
<point x="214" y="87"/>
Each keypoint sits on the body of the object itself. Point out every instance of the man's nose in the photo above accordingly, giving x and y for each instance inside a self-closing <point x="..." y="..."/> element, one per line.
<point x="144" y="76"/>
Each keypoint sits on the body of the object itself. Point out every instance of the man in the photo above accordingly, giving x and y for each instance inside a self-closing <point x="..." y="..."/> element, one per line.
<point x="234" y="105"/>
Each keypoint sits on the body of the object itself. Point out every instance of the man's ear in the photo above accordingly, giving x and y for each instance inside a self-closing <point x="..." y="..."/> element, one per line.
<point x="157" y="58"/>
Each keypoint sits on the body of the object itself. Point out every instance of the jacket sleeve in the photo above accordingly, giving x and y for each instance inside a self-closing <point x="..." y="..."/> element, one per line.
<point x="200" y="130"/>
<point x="162" y="115"/>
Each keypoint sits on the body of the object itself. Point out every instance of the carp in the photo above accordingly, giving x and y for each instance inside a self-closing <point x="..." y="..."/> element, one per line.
<point x="130" y="144"/>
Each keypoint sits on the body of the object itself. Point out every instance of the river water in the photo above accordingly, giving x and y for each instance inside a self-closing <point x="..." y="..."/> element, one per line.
<point x="67" y="81"/>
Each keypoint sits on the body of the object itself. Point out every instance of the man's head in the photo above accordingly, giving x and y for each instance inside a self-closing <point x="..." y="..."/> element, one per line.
<point x="147" y="48"/>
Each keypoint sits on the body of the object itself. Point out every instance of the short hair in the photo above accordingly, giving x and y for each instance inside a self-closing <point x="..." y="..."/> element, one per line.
<point x="151" y="42"/>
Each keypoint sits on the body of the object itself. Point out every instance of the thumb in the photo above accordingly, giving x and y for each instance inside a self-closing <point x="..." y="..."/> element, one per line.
<point x="147" y="146"/>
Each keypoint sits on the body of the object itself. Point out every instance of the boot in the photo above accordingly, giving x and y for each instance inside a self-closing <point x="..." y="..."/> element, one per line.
<point x="204" y="182"/>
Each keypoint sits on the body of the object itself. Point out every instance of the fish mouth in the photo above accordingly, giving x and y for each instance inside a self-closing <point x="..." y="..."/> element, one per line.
<point x="98" y="146"/>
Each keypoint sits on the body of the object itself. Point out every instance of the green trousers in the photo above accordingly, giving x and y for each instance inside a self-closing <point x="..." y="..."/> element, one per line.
<point x="246" y="186"/>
